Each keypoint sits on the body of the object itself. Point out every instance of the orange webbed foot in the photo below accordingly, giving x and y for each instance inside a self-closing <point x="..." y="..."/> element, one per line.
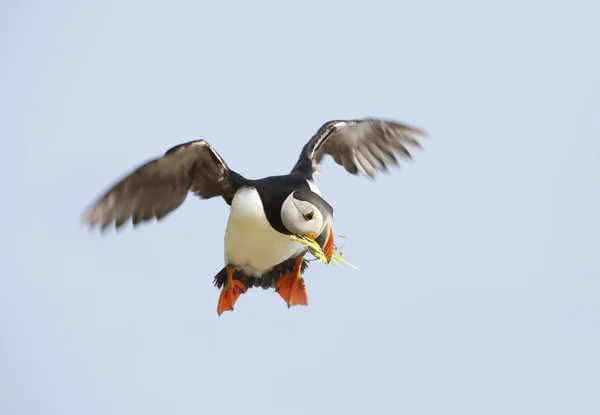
<point x="230" y="293"/>
<point x="291" y="287"/>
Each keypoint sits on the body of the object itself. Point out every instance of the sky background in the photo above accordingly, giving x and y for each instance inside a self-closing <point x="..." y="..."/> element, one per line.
<point x="479" y="288"/>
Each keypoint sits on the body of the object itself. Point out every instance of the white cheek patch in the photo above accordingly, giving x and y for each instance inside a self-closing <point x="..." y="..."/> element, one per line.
<point x="298" y="205"/>
<point x="292" y="216"/>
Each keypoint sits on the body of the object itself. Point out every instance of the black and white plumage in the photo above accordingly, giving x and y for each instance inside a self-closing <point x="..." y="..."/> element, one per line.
<point x="265" y="212"/>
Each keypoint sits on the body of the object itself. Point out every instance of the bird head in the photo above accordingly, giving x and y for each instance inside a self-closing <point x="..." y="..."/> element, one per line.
<point x="306" y="214"/>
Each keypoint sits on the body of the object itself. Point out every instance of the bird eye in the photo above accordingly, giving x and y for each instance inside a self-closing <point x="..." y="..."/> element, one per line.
<point x="309" y="215"/>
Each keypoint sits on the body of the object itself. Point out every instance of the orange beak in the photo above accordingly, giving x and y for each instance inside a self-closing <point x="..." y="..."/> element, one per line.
<point x="325" y="241"/>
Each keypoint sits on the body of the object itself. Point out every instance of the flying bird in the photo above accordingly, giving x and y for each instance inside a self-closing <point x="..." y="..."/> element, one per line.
<point x="264" y="213"/>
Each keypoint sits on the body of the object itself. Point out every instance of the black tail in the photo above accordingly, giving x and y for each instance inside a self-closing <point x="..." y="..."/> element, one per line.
<point x="268" y="279"/>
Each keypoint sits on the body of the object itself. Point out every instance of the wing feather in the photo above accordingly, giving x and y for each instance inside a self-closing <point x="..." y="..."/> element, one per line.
<point x="367" y="146"/>
<point x="160" y="186"/>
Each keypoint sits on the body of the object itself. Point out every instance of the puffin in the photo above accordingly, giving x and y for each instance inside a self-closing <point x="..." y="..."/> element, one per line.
<point x="265" y="213"/>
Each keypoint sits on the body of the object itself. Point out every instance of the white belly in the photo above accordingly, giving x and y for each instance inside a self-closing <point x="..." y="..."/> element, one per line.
<point x="250" y="242"/>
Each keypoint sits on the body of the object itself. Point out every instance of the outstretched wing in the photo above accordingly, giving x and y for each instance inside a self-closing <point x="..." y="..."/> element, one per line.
<point x="160" y="186"/>
<point x="366" y="146"/>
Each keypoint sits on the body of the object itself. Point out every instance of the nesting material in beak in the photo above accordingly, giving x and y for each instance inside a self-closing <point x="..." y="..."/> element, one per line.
<point x="322" y="247"/>
<point x="325" y="241"/>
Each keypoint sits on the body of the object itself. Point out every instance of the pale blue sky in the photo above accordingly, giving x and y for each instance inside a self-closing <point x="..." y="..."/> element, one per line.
<point x="479" y="287"/>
